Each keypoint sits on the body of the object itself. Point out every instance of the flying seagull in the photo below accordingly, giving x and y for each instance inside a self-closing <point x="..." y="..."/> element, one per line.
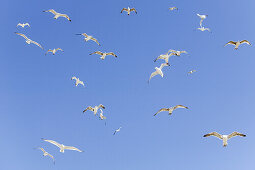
<point x="225" y="138"/>
<point x="77" y="81"/>
<point x="29" y="41"/>
<point x="23" y="25"/>
<point x="158" y="71"/>
<point x="192" y="71"/>
<point x="101" y="116"/>
<point x="177" y="53"/>
<point x="171" y="109"/>
<point x="58" y="14"/>
<point x="54" y="50"/>
<point x="202" y="17"/>
<point x="116" y="131"/>
<point x="94" y="109"/>
<point x="173" y="8"/>
<point x="47" y="154"/>
<point x="103" y="55"/>
<point x="164" y="57"/>
<point x="128" y="10"/>
<point x="89" y="37"/>
<point x="62" y="147"/>
<point x="204" y="29"/>
<point x="237" y="43"/>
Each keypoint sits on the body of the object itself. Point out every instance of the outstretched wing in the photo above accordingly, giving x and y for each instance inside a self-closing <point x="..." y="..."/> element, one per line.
<point x="65" y="16"/>
<point x="152" y="75"/>
<point x="74" y="78"/>
<point x="72" y="148"/>
<point x="97" y="52"/>
<point x="52" y="142"/>
<point x="236" y="134"/>
<point x="180" y="106"/>
<point x="214" y="134"/>
<point x="88" y="108"/>
<point x="245" y="41"/>
<point x="37" y="44"/>
<point x="111" y="53"/>
<point x="22" y="35"/>
<point x="95" y="41"/>
<point x="124" y="9"/>
<point x="161" y="110"/>
<point x="133" y="9"/>
<point x="42" y="150"/>
<point x="230" y="42"/>
<point x="184" y="52"/>
<point x="101" y="106"/>
<point x="52" y="11"/>
<point x="163" y="65"/>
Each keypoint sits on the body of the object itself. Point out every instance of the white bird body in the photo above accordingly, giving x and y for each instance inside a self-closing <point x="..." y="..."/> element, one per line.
<point x="238" y="43"/>
<point x="54" y="50"/>
<point x="47" y="154"/>
<point x="171" y="109"/>
<point x="202" y="17"/>
<point x="89" y="37"/>
<point x="29" y="41"/>
<point x="94" y="109"/>
<point x="57" y="15"/>
<point x="77" y="81"/>
<point x="129" y="10"/>
<point x="192" y="71"/>
<point x="23" y="25"/>
<point x="117" y="130"/>
<point x="158" y="71"/>
<point x="173" y="8"/>
<point x="62" y="147"/>
<point x="103" y="55"/>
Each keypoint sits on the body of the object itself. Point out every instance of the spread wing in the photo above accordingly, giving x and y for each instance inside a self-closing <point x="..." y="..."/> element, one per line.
<point x="133" y="9"/>
<point x="245" y="41"/>
<point x="95" y="41"/>
<point x="88" y="108"/>
<point x="52" y="11"/>
<point x="163" y="65"/>
<point x="51" y="157"/>
<point x="27" y="24"/>
<point x="66" y="16"/>
<point x="22" y="35"/>
<point x="184" y="52"/>
<point x="37" y="44"/>
<point x="111" y="53"/>
<point x="97" y="52"/>
<point x="172" y="51"/>
<point x="74" y="78"/>
<point x="84" y="34"/>
<point x="236" y="134"/>
<point x="42" y="150"/>
<point x="52" y="142"/>
<point x="230" y="42"/>
<point x="59" y="49"/>
<point x="214" y="134"/>
<point x="124" y="9"/>
<point x="152" y="75"/>
<point x="72" y="148"/>
<point x="180" y="106"/>
<point x="172" y="8"/>
<point x="101" y="106"/>
<point x="161" y="110"/>
<point x="19" y="24"/>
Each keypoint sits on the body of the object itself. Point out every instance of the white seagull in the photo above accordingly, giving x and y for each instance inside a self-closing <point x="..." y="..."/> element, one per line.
<point x="62" y="147"/>
<point x="94" y="109"/>
<point x="103" y="55"/>
<point x="237" y="43"/>
<point x="225" y="138"/>
<point x="158" y="71"/>
<point x="192" y="71"/>
<point x="101" y="116"/>
<point x="54" y="50"/>
<point x="204" y="29"/>
<point x="89" y="37"/>
<point x="177" y="53"/>
<point x="202" y="17"/>
<point x="77" y="81"/>
<point x="117" y="130"/>
<point x="164" y="56"/>
<point x="171" y="109"/>
<point x="58" y="14"/>
<point x="173" y="8"/>
<point x="47" y="154"/>
<point x="29" y="41"/>
<point x="23" y="25"/>
<point x="128" y="10"/>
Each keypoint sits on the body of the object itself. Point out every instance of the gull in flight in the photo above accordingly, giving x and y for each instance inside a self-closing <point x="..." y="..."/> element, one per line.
<point x="177" y="53"/>
<point x="173" y="8"/>
<point x="192" y="71"/>
<point x="101" y="116"/>
<point x="89" y="37"/>
<point x="171" y="109"/>
<point x="29" y="41"/>
<point x="103" y="55"/>
<point x="54" y="50"/>
<point x="62" y="147"/>
<point x="204" y="29"/>
<point x="94" y="109"/>
<point x="23" y="25"/>
<point x="58" y="14"/>
<point x="77" y="81"/>
<point x="128" y="10"/>
<point x="202" y="17"/>
<point x="116" y="131"/>
<point x="225" y="138"/>
<point x="158" y="71"/>
<point x="237" y="43"/>
<point x="164" y="56"/>
<point x="47" y="154"/>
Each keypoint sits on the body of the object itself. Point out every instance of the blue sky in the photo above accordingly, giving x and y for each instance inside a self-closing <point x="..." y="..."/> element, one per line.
<point x="38" y="99"/>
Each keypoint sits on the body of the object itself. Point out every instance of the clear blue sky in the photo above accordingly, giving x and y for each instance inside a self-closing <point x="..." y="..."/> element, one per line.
<point x="38" y="99"/>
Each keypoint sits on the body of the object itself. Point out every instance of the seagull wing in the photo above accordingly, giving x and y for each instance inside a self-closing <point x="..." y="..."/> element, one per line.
<point x="184" y="52"/>
<point x="153" y="74"/>
<point x="236" y="134"/>
<point x="101" y="106"/>
<point x="65" y="16"/>
<point x="74" y="78"/>
<point x="53" y="142"/>
<point x="22" y="35"/>
<point x="133" y="9"/>
<point x="180" y="106"/>
<point x="95" y="40"/>
<point x="72" y="148"/>
<point x="37" y="44"/>
<point x="163" y="65"/>
<point x="27" y="24"/>
<point x="59" y="49"/>
<point x="161" y="110"/>
<point x="214" y="134"/>
<point x="19" y="24"/>
<point x="245" y="41"/>
<point x="88" y="108"/>
<point x="42" y="150"/>
<point x="52" y="157"/>
<point x="230" y="42"/>
<point x="52" y="11"/>
<point x="97" y="52"/>
<point x="111" y="53"/>
<point x="124" y="9"/>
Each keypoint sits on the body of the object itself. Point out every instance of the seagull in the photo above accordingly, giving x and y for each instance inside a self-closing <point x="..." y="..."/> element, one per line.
<point x="177" y="53"/>
<point x="225" y="138"/>
<point x="116" y="131"/>
<point x="101" y="116"/>
<point x="202" y="17"/>
<point x="77" y="81"/>
<point x="94" y="109"/>
<point x="173" y="8"/>
<point x="158" y="71"/>
<point x="54" y="50"/>
<point x="89" y="37"/>
<point x="23" y="25"/>
<point x="204" y="29"/>
<point x="47" y="154"/>
<point x="192" y="71"/>
<point x="29" y="41"/>
<point x="58" y="14"/>
<point x="128" y="10"/>
<point x="171" y="109"/>
<point x="164" y="56"/>
<point x="62" y="147"/>
<point x="103" y="55"/>
<point x="236" y="44"/>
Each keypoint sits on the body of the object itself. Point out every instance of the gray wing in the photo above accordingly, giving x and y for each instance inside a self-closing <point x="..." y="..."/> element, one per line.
<point x="230" y="42"/>
<point x="245" y="41"/>
<point x="214" y="134"/>
<point x="161" y="110"/>
<point x="72" y="148"/>
<point x="53" y="142"/>
<point x="236" y="134"/>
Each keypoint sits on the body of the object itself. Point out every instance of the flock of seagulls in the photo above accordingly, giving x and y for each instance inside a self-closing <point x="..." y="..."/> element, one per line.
<point x="158" y="71"/>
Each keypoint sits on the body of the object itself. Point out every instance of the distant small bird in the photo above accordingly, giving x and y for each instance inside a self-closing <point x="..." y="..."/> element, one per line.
<point x="29" y="41"/>
<point x="58" y="14"/>
<point x="47" y="154"/>
<point x="158" y="71"/>
<point x="192" y="71"/>
<point x="164" y="56"/>
<point x="54" y="50"/>
<point x="23" y="25"/>
<point x="173" y="8"/>
<point x="171" y="109"/>
<point x="77" y="81"/>
<point x="89" y="37"/>
<point x="177" y="53"/>
<point x="202" y="17"/>
<point x="237" y="43"/>
<point x="62" y="147"/>
<point x="94" y="109"/>
<point x="225" y="138"/>
<point x="204" y="29"/>
<point x="103" y="55"/>
<point x="101" y="116"/>
<point x="117" y="130"/>
<point x="128" y="10"/>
